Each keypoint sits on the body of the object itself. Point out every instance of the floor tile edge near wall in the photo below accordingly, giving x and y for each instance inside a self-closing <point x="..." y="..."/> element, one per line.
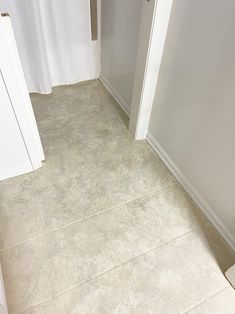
<point x="115" y="95"/>
<point x="193" y="193"/>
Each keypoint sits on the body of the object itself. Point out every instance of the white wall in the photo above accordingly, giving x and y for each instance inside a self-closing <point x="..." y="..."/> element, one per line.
<point x="18" y="128"/>
<point x="14" y="159"/>
<point x="120" y="22"/>
<point x="193" y="118"/>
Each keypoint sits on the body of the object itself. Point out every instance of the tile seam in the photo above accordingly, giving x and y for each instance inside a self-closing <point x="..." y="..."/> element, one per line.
<point x="100" y="213"/>
<point x="93" y="278"/>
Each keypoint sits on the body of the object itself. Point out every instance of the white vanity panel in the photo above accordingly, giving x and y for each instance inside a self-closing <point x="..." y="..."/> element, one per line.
<point x="20" y="145"/>
<point x="14" y="158"/>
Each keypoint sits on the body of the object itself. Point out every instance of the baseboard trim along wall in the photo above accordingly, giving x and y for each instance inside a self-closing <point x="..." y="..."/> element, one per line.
<point x="230" y="274"/>
<point x="115" y="95"/>
<point x="189" y="188"/>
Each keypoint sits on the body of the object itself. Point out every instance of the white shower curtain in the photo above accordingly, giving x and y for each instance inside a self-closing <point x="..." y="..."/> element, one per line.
<point x="54" y="41"/>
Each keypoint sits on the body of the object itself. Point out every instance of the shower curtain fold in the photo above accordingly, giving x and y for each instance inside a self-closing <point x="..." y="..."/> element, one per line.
<point x="54" y="41"/>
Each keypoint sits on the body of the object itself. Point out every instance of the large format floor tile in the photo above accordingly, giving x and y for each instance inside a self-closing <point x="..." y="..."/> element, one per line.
<point x="100" y="243"/>
<point x="149" y="221"/>
<point x="168" y="280"/>
<point x="100" y="190"/>
<point x="103" y="227"/>
<point x="18" y="222"/>
<point x="64" y="131"/>
<point x="73" y="160"/>
<point x="57" y="205"/>
<point x="222" y="303"/>
<point x="29" y="274"/>
<point x="55" y="306"/>
<point x="75" y="143"/>
<point x="90" y="247"/>
<point x="72" y="100"/>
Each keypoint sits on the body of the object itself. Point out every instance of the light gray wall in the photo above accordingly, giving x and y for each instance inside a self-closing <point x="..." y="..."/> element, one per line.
<point x="120" y="23"/>
<point x="193" y="117"/>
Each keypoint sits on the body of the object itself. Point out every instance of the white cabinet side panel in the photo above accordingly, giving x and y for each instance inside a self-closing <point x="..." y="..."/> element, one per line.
<point x="14" y="159"/>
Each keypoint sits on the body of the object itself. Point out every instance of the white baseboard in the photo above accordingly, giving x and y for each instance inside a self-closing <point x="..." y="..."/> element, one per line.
<point x="10" y="173"/>
<point x="230" y="274"/>
<point x="115" y="95"/>
<point x="189" y="188"/>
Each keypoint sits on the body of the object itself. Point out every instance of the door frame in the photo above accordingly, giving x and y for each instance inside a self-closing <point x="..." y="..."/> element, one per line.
<point x="153" y="31"/>
<point x="12" y="71"/>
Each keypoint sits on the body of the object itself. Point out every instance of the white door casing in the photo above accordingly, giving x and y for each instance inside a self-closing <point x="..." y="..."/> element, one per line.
<point x="14" y="158"/>
<point x="14" y="82"/>
<point x="153" y="30"/>
<point x="12" y="71"/>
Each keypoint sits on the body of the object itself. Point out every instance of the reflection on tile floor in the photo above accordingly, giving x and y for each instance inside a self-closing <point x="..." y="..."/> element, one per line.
<point x="103" y="227"/>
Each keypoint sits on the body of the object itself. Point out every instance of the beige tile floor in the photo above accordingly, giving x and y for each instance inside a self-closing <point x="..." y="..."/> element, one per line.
<point x="103" y="227"/>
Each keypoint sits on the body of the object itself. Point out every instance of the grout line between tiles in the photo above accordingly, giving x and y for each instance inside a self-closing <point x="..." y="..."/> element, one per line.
<point x="93" y="278"/>
<point x="125" y="129"/>
<point x="114" y="106"/>
<point x="196" y="305"/>
<point x="100" y="213"/>
<point x="93" y="170"/>
<point x="128" y="261"/>
<point x="70" y="116"/>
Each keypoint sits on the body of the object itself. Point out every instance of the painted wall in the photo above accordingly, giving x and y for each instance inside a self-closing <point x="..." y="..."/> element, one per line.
<point x="193" y="116"/>
<point x="120" y="23"/>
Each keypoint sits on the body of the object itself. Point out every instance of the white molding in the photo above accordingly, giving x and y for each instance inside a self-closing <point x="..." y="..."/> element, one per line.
<point x="230" y="274"/>
<point x="149" y="62"/>
<point x="189" y="188"/>
<point x="115" y="95"/>
<point x="18" y="93"/>
<point x="10" y="173"/>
